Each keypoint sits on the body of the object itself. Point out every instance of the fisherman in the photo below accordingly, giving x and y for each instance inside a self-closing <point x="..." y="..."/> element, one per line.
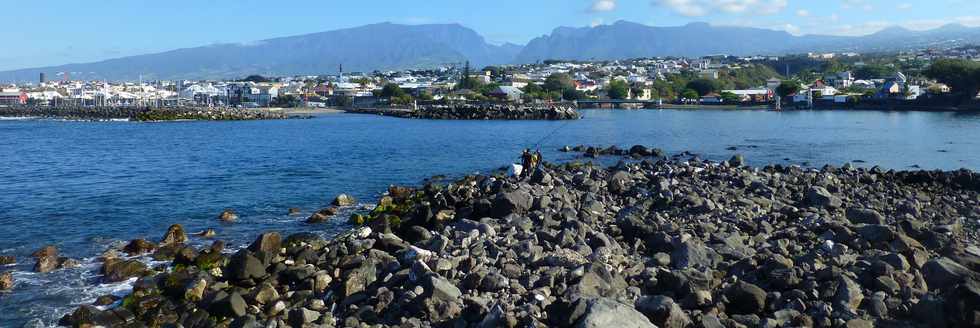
<point x="526" y="162"/>
<point x="535" y="160"/>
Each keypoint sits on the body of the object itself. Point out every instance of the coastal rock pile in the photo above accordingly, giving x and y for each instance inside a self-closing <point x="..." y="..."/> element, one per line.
<point x="141" y="113"/>
<point x="494" y="112"/>
<point x="648" y="244"/>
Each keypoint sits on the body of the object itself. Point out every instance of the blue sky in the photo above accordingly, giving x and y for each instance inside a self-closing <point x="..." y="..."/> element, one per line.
<point x="51" y="32"/>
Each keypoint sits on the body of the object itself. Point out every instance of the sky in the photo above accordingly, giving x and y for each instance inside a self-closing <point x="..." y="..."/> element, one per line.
<point x="54" y="32"/>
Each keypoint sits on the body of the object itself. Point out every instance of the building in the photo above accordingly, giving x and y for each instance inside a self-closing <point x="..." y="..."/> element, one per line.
<point x="13" y="97"/>
<point x="508" y="93"/>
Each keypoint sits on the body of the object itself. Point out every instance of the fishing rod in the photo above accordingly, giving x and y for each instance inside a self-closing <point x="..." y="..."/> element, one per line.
<point x="538" y="144"/>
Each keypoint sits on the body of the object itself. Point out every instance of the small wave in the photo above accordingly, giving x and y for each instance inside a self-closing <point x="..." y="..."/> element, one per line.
<point x="18" y="118"/>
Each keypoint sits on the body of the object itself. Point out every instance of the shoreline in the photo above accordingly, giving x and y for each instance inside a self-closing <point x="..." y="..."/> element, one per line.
<point x="589" y="241"/>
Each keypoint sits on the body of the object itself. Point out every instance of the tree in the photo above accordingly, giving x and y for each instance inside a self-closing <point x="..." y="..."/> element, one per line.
<point x="559" y="82"/>
<point x="729" y="97"/>
<point x="703" y="86"/>
<point x="465" y="81"/>
<point x="962" y="76"/>
<point x="788" y="87"/>
<point x="287" y="101"/>
<point x="255" y="78"/>
<point x="618" y="89"/>
<point x="391" y="90"/>
<point x="873" y="71"/>
<point x="690" y="95"/>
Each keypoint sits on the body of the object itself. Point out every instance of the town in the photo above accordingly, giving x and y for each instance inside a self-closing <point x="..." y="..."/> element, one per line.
<point x="815" y="80"/>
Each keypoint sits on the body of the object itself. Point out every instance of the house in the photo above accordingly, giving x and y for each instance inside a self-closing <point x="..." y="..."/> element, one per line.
<point x="710" y="74"/>
<point x="507" y="93"/>
<point x="759" y="95"/>
<point x="773" y="83"/>
<point x="821" y="89"/>
<point x="840" y="80"/>
<point x="13" y="97"/>
<point x="711" y="98"/>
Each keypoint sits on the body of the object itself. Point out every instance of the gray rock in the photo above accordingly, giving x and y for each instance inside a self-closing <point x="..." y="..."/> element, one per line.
<point x="511" y="202"/>
<point x="944" y="273"/>
<point x="619" y="182"/>
<point x="228" y="305"/>
<point x="663" y="311"/>
<point x="864" y="215"/>
<point x="243" y="267"/>
<point x="442" y="289"/>
<point x="301" y="316"/>
<point x="344" y="200"/>
<point x="6" y="281"/>
<point x="269" y="242"/>
<point x="693" y="253"/>
<point x="820" y="197"/>
<point x="605" y="312"/>
<point x="849" y="294"/>
<point x="746" y="298"/>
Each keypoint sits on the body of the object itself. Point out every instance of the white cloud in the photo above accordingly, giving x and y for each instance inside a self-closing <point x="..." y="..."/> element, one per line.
<point x="803" y="13"/>
<point x="905" y="6"/>
<point x="603" y="6"/>
<point x="706" y="7"/>
<point x="792" y="29"/>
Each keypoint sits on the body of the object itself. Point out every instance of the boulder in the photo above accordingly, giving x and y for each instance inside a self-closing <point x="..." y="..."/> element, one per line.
<point x="511" y="202"/>
<point x="120" y="270"/>
<point x="45" y="251"/>
<point x="620" y="182"/>
<point x="243" y="268"/>
<point x="944" y="273"/>
<point x="228" y="215"/>
<point x="344" y="200"/>
<point x="640" y="150"/>
<point x="663" y="311"/>
<point x="746" y="298"/>
<point x="139" y="247"/>
<point x="322" y="215"/>
<point x="864" y="215"/>
<point x="175" y="235"/>
<point x="820" y="197"/>
<point x="302" y="316"/>
<point x="6" y="281"/>
<point x="439" y="288"/>
<point x="357" y="280"/>
<point x="227" y="305"/>
<point x="606" y="312"/>
<point x="849" y="294"/>
<point x="269" y="242"/>
<point x="46" y="264"/>
<point x="7" y="260"/>
<point x="693" y="254"/>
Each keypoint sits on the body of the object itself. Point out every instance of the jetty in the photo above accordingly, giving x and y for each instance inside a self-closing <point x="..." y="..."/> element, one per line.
<point x="135" y="113"/>
<point x="477" y="111"/>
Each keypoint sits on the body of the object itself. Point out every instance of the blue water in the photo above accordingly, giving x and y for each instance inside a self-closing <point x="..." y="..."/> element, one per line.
<point x="86" y="185"/>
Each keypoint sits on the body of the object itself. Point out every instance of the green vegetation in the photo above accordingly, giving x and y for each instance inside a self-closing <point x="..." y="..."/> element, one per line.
<point x="874" y="71"/>
<point x="962" y="76"/>
<point x="286" y="101"/>
<point x="556" y="87"/>
<point x="729" y="97"/>
<point x="256" y="79"/>
<point x="690" y="94"/>
<point x="788" y="87"/>
<point x="618" y="89"/>
<point x="703" y="86"/>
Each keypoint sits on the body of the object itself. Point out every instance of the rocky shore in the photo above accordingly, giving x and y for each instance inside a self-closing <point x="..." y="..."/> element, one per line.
<point x="142" y="113"/>
<point x="481" y="112"/>
<point x="654" y="242"/>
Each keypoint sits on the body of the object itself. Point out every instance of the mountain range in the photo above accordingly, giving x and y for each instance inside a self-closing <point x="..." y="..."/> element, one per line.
<point x="388" y="46"/>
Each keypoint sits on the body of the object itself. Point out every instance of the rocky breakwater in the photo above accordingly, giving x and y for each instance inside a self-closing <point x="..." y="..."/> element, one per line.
<point x="481" y="112"/>
<point x="644" y="244"/>
<point x="142" y="113"/>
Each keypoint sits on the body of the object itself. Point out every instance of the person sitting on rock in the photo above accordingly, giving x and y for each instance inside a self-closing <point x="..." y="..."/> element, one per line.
<point x="535" y="161"/>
